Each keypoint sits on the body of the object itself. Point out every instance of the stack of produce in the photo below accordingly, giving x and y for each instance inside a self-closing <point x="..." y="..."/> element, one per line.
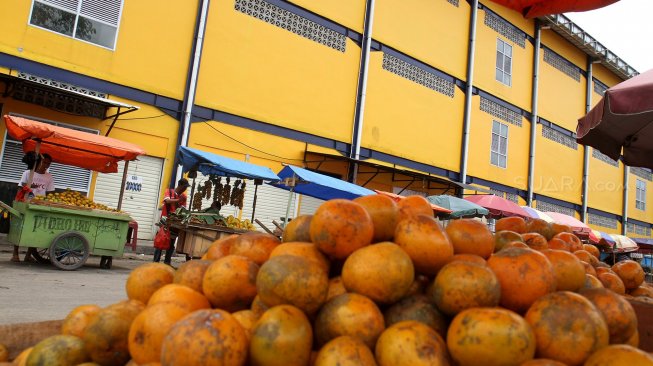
<point x="371" y="282"/>
<point x="71" y="198"/>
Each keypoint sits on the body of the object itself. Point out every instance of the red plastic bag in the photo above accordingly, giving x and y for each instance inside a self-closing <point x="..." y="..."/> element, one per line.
<point x="23" y="193"/>
<point x="162" y="238"/>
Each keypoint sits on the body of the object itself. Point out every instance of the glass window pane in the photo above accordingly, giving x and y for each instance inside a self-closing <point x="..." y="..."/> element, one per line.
<point x="499" y="45"/>
<point x="499" y="60"/>
<point x="53" y="19"/>
<point x="495" y="143"/>
<point x="494" y="158"/>
<point x="496" y="127"/>
<point x="504" y="130"/>
<point x="502" y="161"/>
<point x="507" y="49"/>
<point x="507" y="79"/>
<point x="499" y="75"/>
<point x="503" y="146"/>
<point x="507" y="65"/>
<point x="95" y="32"/>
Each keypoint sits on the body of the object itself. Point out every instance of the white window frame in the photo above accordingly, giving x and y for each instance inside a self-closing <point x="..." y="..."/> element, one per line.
<point x="500" y="62"/>
<point x="497" y="152"/>
<point x="77" y="15"/>
<point x="640" y="195"/>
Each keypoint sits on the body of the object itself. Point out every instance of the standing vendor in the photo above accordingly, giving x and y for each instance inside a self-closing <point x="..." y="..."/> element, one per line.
<point x="174" y="198"/>
<point x="42" y="182"/>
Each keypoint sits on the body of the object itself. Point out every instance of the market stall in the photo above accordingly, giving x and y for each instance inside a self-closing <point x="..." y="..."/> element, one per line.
<point x="65" y="227"/>
<point x="198" y="227"/>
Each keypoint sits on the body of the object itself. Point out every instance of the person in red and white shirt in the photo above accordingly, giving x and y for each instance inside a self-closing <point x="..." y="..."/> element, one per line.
<point x="173" y="199"/>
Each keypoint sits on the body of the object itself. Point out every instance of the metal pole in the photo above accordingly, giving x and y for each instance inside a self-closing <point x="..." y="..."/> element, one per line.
<point x="586" y="149"/>
<point x="362" y="89"/>
<point x="30" y="177"/>
<point x="189" y="97"/>
<point x="122" y="185"/>
<point x="292" y="188"/>
<point x="469" y="88"/>
<point x="254" y="203"/>
<point x="534" y="117"/>
<point x="624" y="219"/>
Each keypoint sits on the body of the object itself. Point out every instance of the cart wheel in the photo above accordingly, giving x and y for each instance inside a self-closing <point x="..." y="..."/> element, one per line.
<point x="42" y="255"/>
<point x="106" y="261"/>
<point x="69" y="251"/>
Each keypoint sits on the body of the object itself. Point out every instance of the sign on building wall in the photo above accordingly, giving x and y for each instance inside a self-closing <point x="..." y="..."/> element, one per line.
<point x="134" y="183"/>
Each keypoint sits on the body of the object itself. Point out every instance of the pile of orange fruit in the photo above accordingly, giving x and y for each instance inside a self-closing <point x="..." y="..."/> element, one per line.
<point x="370" y="282"/>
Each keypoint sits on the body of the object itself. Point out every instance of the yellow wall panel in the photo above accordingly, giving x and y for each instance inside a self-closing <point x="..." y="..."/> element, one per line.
<point x="515" y="18"/>
<point x="516" y="172"/>
<point x="633" y="211"/>
<point x="562" y="47"/>
<point x="519" y="92"/>
<point x="561" y="99"/>
<point x="257" y="70"/>
<point x="604" y="75"/>
<point x="434" y="32"/>
<point x="152" y="49"/>
<point x="349" y="13"/>
<point x="607" y="230"/>
<point x="604" y="189"/>
<point x="558" y="170"/>
<point x="407" y="119"/>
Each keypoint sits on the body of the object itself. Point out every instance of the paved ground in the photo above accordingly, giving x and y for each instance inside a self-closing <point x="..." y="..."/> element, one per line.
<point x="36" y="292"/>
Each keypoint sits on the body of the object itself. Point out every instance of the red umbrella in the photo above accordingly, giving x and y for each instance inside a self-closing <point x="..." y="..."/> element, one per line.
<point x="579" y="227"/>
<point x="622" y="119"/>
<point x="498" y="206"/>
<point x="536" y="8"/>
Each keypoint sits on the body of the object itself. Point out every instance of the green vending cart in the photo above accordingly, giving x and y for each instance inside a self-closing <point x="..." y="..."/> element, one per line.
<point x="63" y="233"/>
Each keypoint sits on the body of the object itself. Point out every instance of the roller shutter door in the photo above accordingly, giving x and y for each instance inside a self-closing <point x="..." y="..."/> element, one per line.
<point x="308" y="205"/>
<point x="141" y="204"/>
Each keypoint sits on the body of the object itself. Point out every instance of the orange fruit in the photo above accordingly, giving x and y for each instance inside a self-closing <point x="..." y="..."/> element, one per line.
<point x="282" y="336"/>
<point x="77" y="320"/>
<point x="515" y="224"/>
<point x="592" y="249"/>
<point x="630" y="272"/>
<point x="193" y="340"/>
<point x="469" y="236"/>
<point x="410" y="343"/>
<point x="230" y="283"/>
<point x="418" y="308"/>
<point x="297" y="229"/>
<point x="220" y="247"/>
<point x="352" y="315"/>
<point x="414" y="205"/>
<point x="569" y="271"/>
<point x="468" y="258"/>
<point x="383" y="272"/>
<point x="571" y="239"/>
<point x="535" y="241"/>
<point x="181" y="295"/>
<point x="494" y="335"/>
<point x="503" y="237"/>
<point x="519" y="287"/>
<point x="592" y="282"/>
<point x="293" y="280"/>
<point x="191" y="274"/>
<point x="149" y="327"/>
<point x="302" y="249"/>
<point x="340" y="226"/>
<point x="620" y="354"/>
<point x="384" y="213"/>
<point x="617" y="312"/>
<point x="345" y="351"/>
<point x="147" y="278"/>
<point x="462" y="285"/>
<point x="255" y="246"/>
<point x="423" y="239"/>
<point x="612" y="282"/>
<point x="336" y="287"/>
<point x="541" y="227"/>
<point x="553" y="316"/>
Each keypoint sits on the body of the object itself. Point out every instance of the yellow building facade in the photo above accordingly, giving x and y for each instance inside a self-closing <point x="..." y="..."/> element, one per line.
<point x="389" y="94"/>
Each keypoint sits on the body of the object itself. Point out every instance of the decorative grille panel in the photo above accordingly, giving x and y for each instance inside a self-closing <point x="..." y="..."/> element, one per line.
<point x="551" y="207"/>
<point x="501" y="112"/>
<point x="68" y="5"/>
<point x="289" y="21"/>
<point x="497" y="192"/>
<point x="107" y="11"/>
<point x="642" y="173"/>
<point x="602" y="221"/>
<point x="453" y="2"/>
<point x="604" y="158"/>
<point x="417" y="75"/>
<point x="561" y="64"/>
<point x="638" y="229"/>
<point x="66" y="103"/>
<point x="559" y="137"/>
<point x="512" y="197"/>
<point x="59" y="84"/>
<point x="599" y="87"/>
<point x="506" y="29"/>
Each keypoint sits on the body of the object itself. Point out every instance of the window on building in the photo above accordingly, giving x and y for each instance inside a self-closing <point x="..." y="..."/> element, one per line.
<point x="499" y="149"/>
<point x="504" y="62"/>
<point x="640" y="195"/>
<point x="94" y="21"/>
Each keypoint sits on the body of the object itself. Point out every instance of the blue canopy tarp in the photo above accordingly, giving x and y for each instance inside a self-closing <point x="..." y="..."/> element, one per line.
<point x="209" y="163"/>
<point x="319" y="185"/>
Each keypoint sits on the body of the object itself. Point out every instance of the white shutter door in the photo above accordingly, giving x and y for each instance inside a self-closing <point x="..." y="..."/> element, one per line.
<point x="271" y="204"/>
<point x="308" y="205"/>
<point x="142" y="206"/>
